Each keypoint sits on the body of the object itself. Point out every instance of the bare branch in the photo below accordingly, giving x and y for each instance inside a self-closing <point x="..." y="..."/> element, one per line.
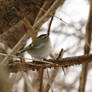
<point x="84" y="72"/>
<point x="64" y="62"/>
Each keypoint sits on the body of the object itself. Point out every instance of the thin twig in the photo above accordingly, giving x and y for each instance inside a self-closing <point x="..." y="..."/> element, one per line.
<point x="60" y="54"/>
<point x="29" y="26"/>
<point x="42" y="9"/>
<point x="48" y="32"/>
<point x="41" y="13"/>
<point x="20" y="57"/>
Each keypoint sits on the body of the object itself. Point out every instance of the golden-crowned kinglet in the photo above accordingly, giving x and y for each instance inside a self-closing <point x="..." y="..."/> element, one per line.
<point x="39" y="48"/>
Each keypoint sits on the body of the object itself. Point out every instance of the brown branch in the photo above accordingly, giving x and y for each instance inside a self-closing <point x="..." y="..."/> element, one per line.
<point x="69" y="61"/>
<point x="41" y="73"/>
<point x="83" y="77"/>
<point x="45" y="6"/>
<point x="29" y="26"/>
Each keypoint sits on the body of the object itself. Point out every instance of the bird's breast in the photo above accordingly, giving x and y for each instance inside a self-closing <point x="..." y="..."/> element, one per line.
<point x="42" y="51"/>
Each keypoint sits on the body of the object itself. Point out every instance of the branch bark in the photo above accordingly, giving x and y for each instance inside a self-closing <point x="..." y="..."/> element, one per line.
<point x="83" y="77"/>
<point x="64" y="62"/>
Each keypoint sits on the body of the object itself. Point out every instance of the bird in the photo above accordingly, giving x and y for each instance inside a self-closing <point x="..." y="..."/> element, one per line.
<point x="40" y="47"/>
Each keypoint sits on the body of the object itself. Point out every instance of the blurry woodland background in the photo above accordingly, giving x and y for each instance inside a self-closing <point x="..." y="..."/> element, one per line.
<point x="70" y="29"/>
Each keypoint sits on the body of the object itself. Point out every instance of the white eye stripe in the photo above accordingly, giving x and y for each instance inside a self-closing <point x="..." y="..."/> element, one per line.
<point x="45" y="36"/>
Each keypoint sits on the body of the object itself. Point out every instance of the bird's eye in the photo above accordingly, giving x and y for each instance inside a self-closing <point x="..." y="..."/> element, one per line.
<point x="31" y="45"/>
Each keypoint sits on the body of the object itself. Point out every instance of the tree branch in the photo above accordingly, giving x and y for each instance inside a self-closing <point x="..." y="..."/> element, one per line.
<point x="48" y="63"/>
<point x="83" y="77"/>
